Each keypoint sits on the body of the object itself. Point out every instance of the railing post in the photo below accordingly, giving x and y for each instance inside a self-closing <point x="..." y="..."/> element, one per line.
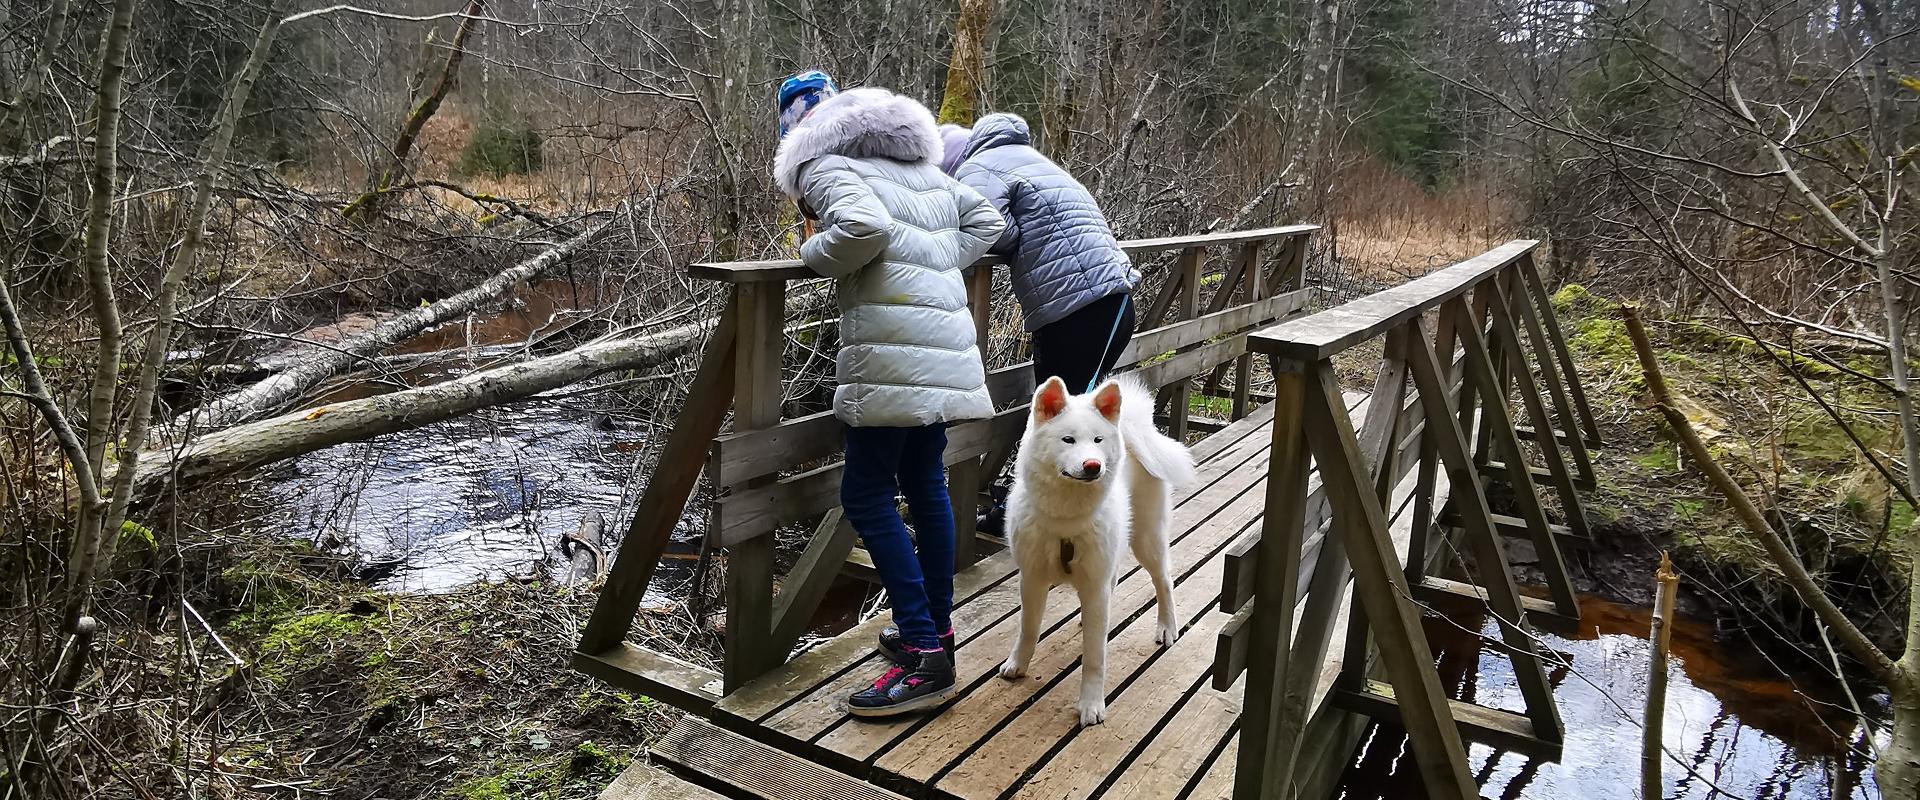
<point x="967" y="478"/>
<point x="1264" y="724"/>
<point x="675" y="476"/>
<point x="761" y="309"/>
<point x="1192" y="262"/>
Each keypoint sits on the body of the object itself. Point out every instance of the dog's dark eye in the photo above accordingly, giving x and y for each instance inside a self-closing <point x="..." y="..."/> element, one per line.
<point x="1099" y="439"/>
<point x="1067" y="439"/>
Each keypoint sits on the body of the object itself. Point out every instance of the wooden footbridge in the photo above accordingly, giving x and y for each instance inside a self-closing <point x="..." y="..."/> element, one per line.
<point x="1323" y="519"/>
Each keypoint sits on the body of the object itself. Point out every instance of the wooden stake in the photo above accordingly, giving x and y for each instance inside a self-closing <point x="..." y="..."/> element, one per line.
<point x="1666" y="589"/>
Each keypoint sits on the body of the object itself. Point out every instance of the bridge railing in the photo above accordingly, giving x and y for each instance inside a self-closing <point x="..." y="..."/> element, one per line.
<point x="1453" y="356"/>
<point x="771" y="471"/>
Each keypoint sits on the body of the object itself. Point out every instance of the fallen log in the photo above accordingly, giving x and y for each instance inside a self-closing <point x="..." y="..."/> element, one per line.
<point x="266" y="441"/>
<point x="276" y="391"/>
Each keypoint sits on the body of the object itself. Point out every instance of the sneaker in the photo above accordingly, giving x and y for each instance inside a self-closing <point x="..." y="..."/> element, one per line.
<point x="993" y="521"/>
<point x="896" y="652"/>
<point x="925" y="684"/>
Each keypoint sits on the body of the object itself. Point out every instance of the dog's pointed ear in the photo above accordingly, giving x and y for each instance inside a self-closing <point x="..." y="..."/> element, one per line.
<point x="1050" y="399"/>
<point x="1106" y="400"/>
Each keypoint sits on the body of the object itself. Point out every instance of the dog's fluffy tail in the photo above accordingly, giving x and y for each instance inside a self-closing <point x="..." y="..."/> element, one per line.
<point x="1162" y="457"/>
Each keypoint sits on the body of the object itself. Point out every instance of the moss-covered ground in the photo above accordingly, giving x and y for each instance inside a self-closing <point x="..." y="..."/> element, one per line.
<point x="1792" y="456"/>
<point x="350" y="693"/>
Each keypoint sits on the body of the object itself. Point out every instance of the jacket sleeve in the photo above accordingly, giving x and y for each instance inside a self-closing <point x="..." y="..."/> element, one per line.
<point x="980" y="225"/>
<point x="998" y="193"/>
<point x="855" y="226"/>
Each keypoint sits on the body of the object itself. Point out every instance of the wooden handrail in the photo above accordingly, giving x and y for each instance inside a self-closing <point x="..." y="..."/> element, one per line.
<point x="790" y="269"/>
<point x="1331" y="332"/>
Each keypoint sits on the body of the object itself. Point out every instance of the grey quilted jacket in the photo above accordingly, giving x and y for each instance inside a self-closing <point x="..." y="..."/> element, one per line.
<point x="895" y="233"/>
<point x="1063" y="252"/>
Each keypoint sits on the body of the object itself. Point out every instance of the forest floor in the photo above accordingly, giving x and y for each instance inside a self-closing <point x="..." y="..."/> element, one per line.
<point x="1776" y="440"/>
<point x="356" y="694"/>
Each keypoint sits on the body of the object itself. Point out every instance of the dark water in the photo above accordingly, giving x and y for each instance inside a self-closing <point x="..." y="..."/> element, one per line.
<point x="480" y="497"/>
<point x="1740" y="728"/>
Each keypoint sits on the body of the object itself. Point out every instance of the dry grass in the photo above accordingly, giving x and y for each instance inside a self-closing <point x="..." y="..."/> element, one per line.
<point x="1389" y="228"/>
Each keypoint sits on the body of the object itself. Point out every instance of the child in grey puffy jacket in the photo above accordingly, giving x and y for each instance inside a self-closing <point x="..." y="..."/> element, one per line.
<point x="895" y="233"/>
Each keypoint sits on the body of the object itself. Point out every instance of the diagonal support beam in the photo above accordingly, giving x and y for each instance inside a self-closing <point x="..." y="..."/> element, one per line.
<point x="1536" y="287"/>
<point x="665" y="499"/>
<point x="1480" y="371"/>
<point x="1563" y="409"/>
<point x="1423" y="704"/>
<point x="1503" y="599"/>
<point x="1536" y="407"/>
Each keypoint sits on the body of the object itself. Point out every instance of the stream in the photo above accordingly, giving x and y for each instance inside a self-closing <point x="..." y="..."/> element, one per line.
<point x="1744" y="731"/>
<point x="482" y="497"/>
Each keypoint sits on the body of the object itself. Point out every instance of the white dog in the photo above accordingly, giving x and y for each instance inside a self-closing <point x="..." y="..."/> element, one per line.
<point x="1092" y="473"/>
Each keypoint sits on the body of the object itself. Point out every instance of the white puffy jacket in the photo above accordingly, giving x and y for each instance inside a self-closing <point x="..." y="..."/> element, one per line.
<point x="895" y="232"/>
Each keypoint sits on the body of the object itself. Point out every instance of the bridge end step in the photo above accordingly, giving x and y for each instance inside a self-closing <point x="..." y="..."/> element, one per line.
<point x="1493" y="727"/>
<point x="661" y="677"/>
<point x="643" y="781"/>
<point x="747" y="768"/>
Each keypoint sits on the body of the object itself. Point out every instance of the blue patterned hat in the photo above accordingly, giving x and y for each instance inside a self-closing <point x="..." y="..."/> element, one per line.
<point x="800" y="94"/>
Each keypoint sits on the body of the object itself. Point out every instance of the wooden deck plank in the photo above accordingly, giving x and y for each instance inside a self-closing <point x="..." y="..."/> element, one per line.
<point x="749" y="768"/>
<point x="818" y="706"/>
<point x="1181" y="750"/>
<point x="643" y="781"/>
<point x="1001" y="708"/>
<point x="1198" y="540"/>
<point x="1154" y="693"/>
<point x="768" y="695"/>
<point x="927" y="750"/>
<point x="1217" y="783"/>
<point x="1199" y="725"/>
<point x="1013" y="749"/>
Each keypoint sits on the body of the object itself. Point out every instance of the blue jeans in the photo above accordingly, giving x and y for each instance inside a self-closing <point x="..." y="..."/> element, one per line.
<point x="881" y="464"/>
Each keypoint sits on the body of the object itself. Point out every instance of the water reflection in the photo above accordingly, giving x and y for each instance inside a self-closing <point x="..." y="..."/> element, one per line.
<point x="1742" y="730"/>
<point x="479" y="497"/>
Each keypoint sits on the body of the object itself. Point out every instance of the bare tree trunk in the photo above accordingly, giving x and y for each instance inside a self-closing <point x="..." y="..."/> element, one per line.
<point x="185" y="259"/>
<point x="88" y="531"/>
<point x="288" y="435"/>
<point x="960" y="100"/>
<point x="1312" y="104"/>
<point x="369" y="204"/>
<point x="273" y="393"/>
<point x="36" y="74"/>
<point x="1898" y="770"/>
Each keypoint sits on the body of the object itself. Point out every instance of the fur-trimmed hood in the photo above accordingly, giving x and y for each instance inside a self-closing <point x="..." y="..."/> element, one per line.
<point x="858" y="123"/>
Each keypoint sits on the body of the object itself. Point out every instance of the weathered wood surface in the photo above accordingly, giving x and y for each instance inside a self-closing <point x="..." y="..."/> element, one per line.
<point x="644" y="781"/>
<point x="790" y="269"/>
<point x="745" y="455"/>
<point x="1022" y="736"/>
<point x="1332" y="331"/>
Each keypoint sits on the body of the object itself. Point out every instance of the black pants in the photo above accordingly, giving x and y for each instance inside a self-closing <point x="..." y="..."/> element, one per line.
<point x="1081" y="347"/>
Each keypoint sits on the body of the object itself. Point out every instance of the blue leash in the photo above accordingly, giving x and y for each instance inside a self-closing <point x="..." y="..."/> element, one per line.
<point x="1111" y="336"/>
